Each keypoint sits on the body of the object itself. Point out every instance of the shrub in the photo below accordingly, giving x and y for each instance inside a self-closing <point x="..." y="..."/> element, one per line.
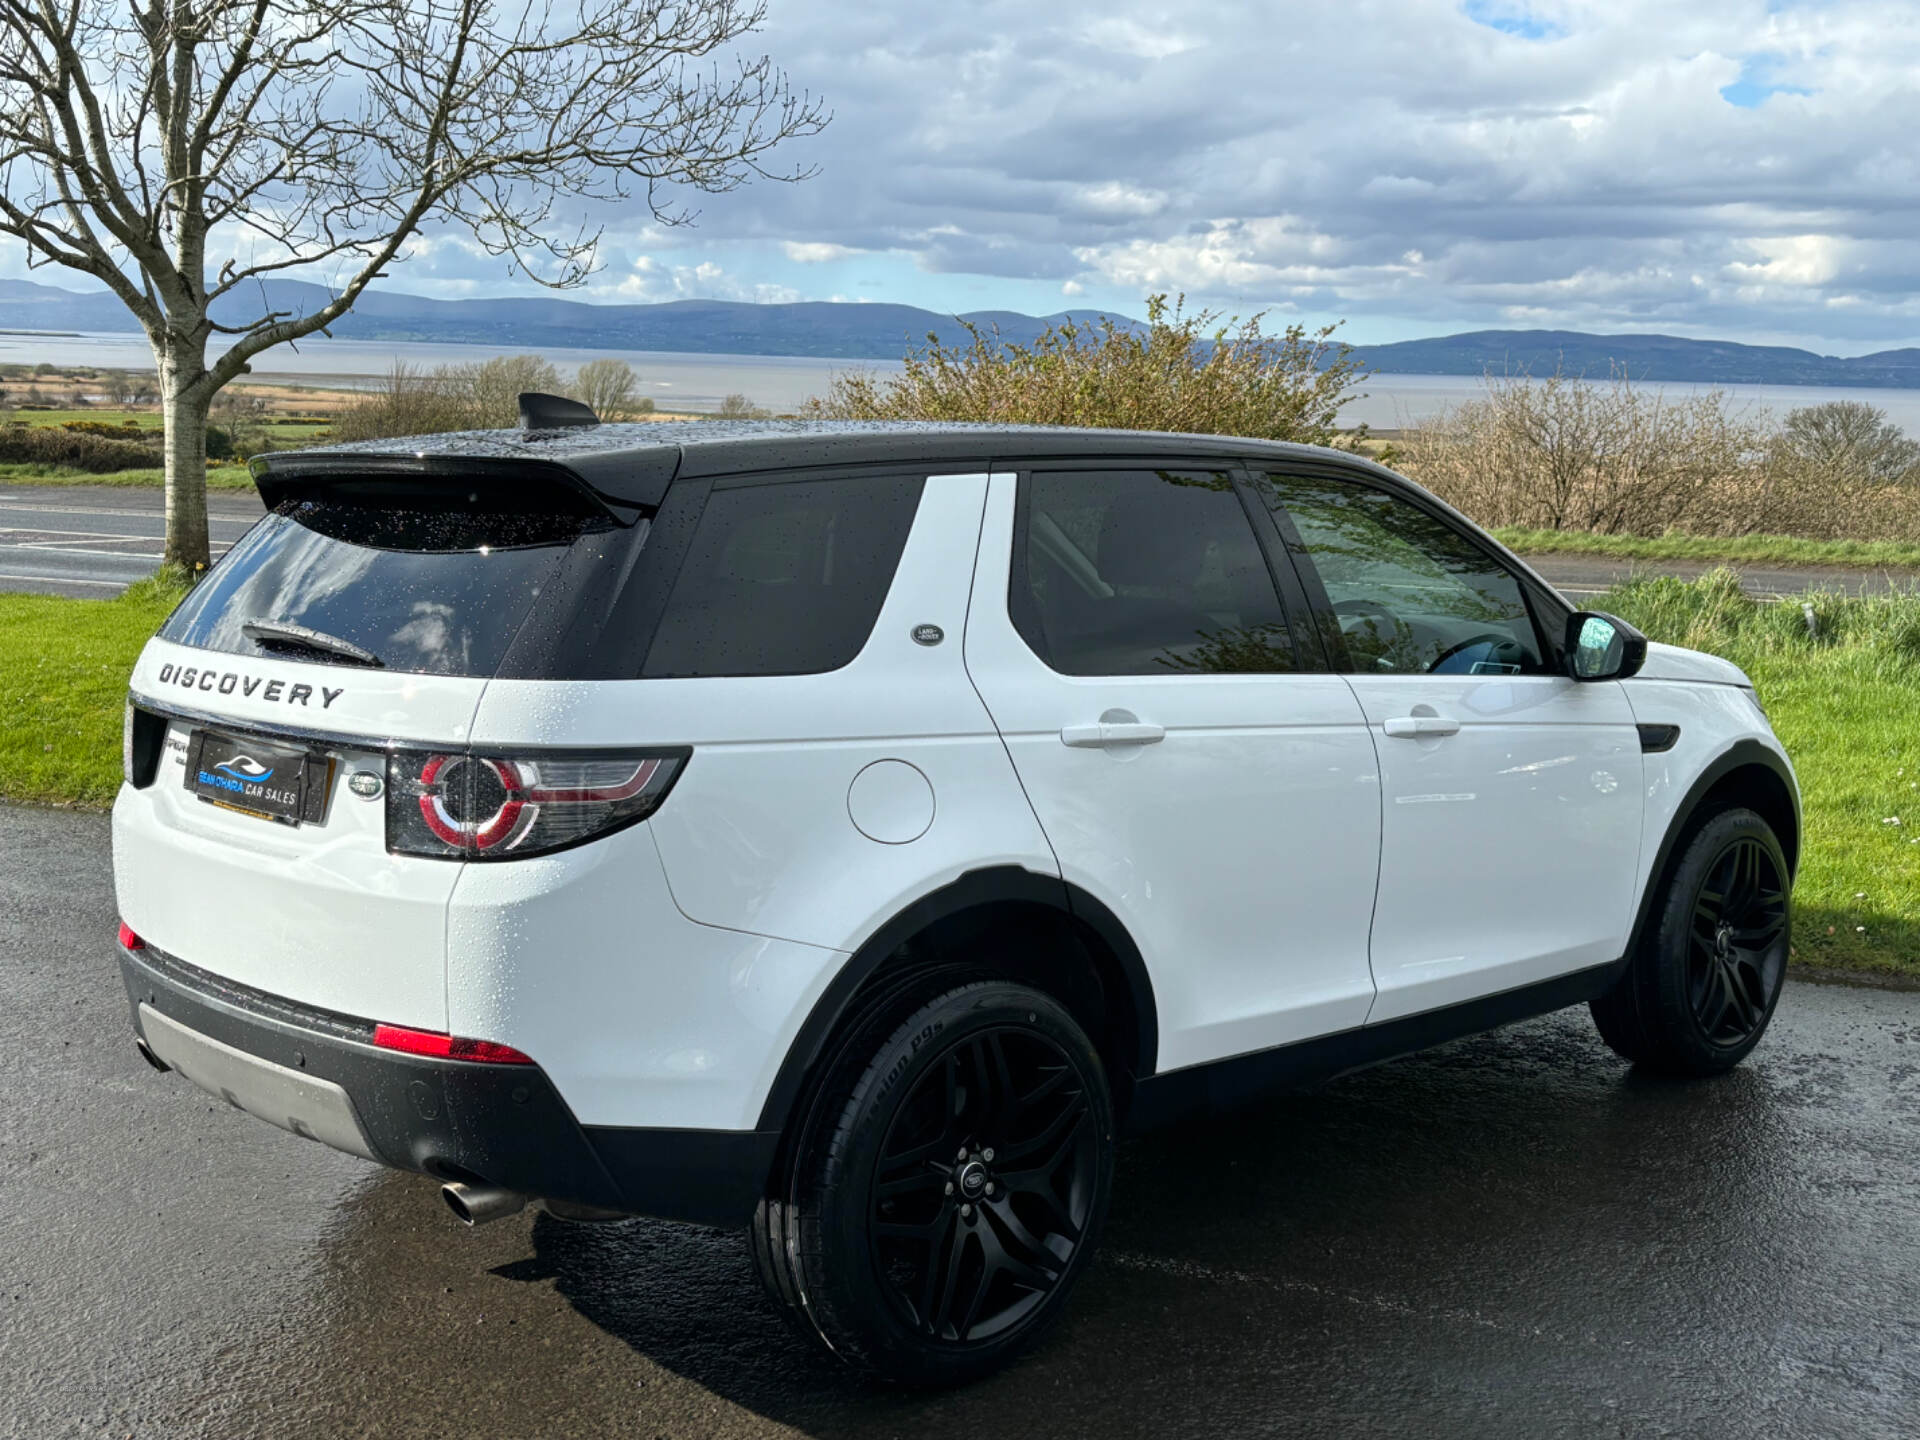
<point x="125" y="430"/>
<point x="1179" y="372"/>
<point x="450" y="397"/>
<point x="74" y="450"/>
<point x="739" y="407"/>
<point x="1616" y="458"/>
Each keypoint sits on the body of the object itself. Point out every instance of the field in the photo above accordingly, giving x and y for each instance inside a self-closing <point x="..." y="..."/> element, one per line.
<point x="219" y="477"/>
<point x="1734" y="549"/>
<point x="63" y="688"/>
<point x="1844" y="705"/>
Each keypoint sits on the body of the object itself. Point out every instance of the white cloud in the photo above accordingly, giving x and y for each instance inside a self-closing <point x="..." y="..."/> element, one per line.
<point x="1405" y="163"/>
<point x="815" y="252"/>
<point x="1384" y="158"/>
<point x="1145" y="40"/>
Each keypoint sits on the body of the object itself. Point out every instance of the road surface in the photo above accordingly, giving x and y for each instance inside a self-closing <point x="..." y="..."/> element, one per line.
<point x="94" y="540"/>
<point x="1512" y="1236"/>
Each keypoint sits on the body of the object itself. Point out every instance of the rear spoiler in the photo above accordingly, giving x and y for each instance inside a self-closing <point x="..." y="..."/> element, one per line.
<point x="624" y="485"/>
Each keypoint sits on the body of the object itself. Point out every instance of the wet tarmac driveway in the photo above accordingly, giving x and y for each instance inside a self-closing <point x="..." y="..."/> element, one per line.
<point x="1509" y="1237"/>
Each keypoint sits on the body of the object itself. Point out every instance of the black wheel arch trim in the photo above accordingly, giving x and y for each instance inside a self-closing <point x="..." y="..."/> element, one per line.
<point x="977" y="888"/>
<point x="1741" y="755"/>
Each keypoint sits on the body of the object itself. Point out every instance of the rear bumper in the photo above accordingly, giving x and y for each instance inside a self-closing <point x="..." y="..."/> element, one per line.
<point x="318" y="1074"/>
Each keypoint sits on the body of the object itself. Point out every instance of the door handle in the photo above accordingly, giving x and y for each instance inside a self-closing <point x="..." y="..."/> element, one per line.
<point x="1112" y="732"/>
<point x="1420" y="727"/>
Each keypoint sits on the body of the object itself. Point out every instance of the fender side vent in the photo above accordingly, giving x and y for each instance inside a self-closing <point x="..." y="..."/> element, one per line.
<point x="1658" y="739"/>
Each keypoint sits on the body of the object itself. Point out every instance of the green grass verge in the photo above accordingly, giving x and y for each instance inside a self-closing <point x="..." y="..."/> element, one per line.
<point x="1847" y="708"/>
<point x="63" y="689"/>
<point x="219" y="477"/>
<point x="1744" y="549"/>
<point x="1846" y="705"/>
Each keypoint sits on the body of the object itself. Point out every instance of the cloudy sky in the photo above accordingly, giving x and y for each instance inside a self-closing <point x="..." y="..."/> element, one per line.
<point x="1738" y="168"/>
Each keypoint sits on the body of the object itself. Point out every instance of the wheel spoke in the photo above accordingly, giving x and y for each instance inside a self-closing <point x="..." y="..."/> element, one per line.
<point x="1042" y="1091"/>
<point x="1042" y="1153"/>
<point x="1011" y="1228"/>
<point x="907" y="1184"/>
<point x="1034" y="1276"/>
<point x="1761" y="934"/>
<point x="1718" y="998"/>
<point x="943" y="1278"/>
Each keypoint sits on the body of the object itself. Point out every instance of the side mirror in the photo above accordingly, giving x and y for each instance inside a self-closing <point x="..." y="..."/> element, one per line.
<point x="1603" y="647"/>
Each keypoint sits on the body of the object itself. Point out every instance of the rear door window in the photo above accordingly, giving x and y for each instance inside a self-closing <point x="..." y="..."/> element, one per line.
<point x="431" y="586"/>
<point x="1145" y="572"/>
<point x="785" y="577"/>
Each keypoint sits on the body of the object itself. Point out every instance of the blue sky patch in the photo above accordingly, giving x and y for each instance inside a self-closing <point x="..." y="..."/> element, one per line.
<point x="1756" y="83"/>
<point x="1510" y="18"/>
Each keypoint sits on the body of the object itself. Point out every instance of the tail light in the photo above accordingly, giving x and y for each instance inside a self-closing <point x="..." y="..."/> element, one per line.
<point x="129" y="940"/>
<point x="446" y="1047"/>
<point x="461" y="806"/>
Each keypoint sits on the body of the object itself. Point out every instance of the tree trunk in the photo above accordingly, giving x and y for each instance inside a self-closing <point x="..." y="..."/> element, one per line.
<point x="186" y="393"/>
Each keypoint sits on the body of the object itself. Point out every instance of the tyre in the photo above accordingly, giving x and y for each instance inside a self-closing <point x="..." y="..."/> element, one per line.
<point x="947" y="1186"/>
<point x="1701" y="987"/>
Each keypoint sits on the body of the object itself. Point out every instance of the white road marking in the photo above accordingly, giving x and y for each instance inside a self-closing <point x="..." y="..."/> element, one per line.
<point x="26" y="504"/>
<point x="103" y="554"/>
<point x="63" y="580"/>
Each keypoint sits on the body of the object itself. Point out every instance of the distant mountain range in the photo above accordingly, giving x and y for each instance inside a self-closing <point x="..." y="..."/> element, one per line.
<point x="822" y="329"/>
<point x="837" y="331"/>
<point x="1643" y="357"/>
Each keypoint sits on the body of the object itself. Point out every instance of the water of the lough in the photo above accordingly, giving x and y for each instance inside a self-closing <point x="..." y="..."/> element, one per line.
<point x="782" y="383"/>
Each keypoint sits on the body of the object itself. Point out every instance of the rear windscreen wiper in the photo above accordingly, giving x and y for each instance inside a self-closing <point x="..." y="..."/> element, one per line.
<point x="299" y="637"/>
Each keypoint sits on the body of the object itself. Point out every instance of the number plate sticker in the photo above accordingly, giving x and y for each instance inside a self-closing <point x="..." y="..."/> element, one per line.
<point x="266" y="780"/>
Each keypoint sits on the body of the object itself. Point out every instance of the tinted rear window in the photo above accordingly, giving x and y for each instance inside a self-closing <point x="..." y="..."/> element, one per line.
<point x="1145" y="572"/>
<point x="785" y="578"/>
<point x="437" y="588"/>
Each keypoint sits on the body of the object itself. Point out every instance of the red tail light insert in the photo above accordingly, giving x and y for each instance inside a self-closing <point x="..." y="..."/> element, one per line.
<point x="446" y="1047"/>
<point x="129" y="940"/>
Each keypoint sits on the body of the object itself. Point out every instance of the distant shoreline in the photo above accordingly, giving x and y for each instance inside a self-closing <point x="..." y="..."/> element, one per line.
<point x="42" y="334"/>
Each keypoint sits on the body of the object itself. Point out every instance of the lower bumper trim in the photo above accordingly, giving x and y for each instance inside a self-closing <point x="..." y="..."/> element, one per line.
<point x="303" y="1104"/>
<point x="498" y="1125"/>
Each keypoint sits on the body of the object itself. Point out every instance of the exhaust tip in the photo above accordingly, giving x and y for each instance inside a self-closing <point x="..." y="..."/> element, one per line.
<point x="481" y="1204"/>
<point x="146" y="1054"/>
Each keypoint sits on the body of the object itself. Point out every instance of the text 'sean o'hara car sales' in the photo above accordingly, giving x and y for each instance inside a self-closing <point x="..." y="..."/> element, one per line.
<point x="845" y="831"/>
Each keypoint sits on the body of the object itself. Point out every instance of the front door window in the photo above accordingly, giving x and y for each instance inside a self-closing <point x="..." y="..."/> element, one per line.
<point x="1412" y="595"/>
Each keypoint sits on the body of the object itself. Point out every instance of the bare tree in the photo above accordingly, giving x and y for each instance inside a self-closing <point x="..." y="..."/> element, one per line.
<point x="143" y="140"/>
<point x="1851" y="439"/>
<point x="607" y="387"/>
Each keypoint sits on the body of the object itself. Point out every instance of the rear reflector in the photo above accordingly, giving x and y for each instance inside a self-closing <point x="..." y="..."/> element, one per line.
<point x="446" y="1047"/>
<point x="129" y="940"/>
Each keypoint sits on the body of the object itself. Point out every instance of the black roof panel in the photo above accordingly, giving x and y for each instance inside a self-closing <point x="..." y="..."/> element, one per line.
<point x="633" y="463"/>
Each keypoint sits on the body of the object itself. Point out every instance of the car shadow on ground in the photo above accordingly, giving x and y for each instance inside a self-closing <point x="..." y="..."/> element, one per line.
<point x="1480" y="1231"/>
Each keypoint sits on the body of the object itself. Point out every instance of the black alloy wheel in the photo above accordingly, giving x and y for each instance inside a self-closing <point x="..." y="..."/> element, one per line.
<point x="1702" y="983"/>
<point x="948" y="1184"/>
<point x="985" y="1185"/>
<point x="1737" y="947"/>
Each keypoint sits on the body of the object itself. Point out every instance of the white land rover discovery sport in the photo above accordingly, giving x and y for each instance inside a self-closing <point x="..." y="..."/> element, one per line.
<point x="843" y="831"/>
